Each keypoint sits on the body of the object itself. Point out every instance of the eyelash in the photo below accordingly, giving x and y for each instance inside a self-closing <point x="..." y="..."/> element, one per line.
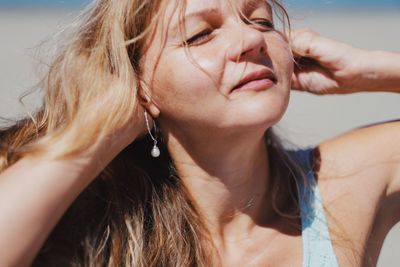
<point x="202" y="36"/>
<point x="264" y="23"/>
<point x="198" y="38"/>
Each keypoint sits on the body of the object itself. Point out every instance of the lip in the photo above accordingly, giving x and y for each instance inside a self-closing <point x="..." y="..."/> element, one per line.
<point x="258" y="80"/>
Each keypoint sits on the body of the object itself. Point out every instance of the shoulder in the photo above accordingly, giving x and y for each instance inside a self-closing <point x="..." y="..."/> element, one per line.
<point x="373" y="151"/>
<point x="359" y="178"/>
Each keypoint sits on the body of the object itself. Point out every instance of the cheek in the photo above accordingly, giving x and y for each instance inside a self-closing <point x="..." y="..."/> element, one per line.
<point x="288" y="63"/>
<point x="282" y="59"/>
<point x="184" y="80"/>
<point x="181" y="88"/>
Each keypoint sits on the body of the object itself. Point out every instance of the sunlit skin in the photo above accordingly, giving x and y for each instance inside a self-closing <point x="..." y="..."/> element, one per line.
<point x="214" y="135"/>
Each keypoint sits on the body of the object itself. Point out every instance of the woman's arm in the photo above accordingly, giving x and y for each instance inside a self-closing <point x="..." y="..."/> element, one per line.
<point x="326" y="66"/>
<point x="34" y="194"/>
<point x="330" y="67"/>
<point x="36" y="191"/>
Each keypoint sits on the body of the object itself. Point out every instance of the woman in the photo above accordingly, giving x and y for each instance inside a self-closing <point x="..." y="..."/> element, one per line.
<point x="210" y="185"/>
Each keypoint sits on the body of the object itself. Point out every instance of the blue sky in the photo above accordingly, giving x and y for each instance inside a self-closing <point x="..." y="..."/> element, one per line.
<point x="44" y="3"/>
<point x="304" y="3"/>
<point x="344" y="3"/>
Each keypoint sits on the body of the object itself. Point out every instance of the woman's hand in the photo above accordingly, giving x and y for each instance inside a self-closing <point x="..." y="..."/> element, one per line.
<point x="118" y="137"/>
<point x="134" y="128"/>
<point x="325" y="66"/>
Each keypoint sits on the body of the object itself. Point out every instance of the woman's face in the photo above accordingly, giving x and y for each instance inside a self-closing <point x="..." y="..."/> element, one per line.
<point x="231" y="76"/>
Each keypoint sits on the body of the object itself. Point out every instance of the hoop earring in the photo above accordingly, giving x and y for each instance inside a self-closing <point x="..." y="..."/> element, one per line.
<point x="155" y="151"/>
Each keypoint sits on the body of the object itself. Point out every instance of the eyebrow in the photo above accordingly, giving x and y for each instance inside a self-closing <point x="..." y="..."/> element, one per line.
<point x="199" y="13"/>
<point x="194" y="14"/>
<point x="254" y="4"/>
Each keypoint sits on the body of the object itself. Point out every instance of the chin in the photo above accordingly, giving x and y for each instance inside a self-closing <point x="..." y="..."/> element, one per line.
<point x="256" y="120"/>
<point x="261" y="114"/>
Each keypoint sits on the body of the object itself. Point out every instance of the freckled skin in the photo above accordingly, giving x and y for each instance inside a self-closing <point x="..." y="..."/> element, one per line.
<point x="216" y="137"/>
<point x="188" y="96"/>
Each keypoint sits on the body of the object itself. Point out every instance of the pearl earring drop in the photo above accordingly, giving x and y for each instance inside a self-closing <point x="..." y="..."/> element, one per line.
<point x="155" y="151"/>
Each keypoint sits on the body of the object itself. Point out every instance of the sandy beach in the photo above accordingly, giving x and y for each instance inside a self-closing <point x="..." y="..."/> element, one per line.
<point x="309" y="119"/>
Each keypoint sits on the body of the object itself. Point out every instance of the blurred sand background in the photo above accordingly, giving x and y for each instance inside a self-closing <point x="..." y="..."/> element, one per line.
<point x="309" y="119"/>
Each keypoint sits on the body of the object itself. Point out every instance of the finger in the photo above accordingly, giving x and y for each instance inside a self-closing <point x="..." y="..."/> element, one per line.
<point x="295" y="83"/>
<point x="302" y="42"/>
<point x="314" y="80"/>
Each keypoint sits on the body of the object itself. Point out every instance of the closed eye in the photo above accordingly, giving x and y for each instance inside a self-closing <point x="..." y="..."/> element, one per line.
<point x="264" y="23"/>
<point x="199" y="38"/>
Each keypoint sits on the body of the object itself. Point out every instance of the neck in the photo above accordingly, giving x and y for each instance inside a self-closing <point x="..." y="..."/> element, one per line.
<point x="228" y="180"/>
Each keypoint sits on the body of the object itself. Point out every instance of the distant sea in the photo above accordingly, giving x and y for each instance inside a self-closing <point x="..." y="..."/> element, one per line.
<point x="294" y="3"/>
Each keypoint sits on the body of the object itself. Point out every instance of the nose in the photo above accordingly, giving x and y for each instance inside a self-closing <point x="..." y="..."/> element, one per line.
<point x="246" y="43"/>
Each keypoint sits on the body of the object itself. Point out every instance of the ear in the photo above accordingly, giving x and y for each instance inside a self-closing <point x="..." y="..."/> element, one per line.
<point x="146" y="101"/>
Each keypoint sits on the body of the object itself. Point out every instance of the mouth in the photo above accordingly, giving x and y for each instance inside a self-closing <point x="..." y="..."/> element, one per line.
<point x="259" y="80"/>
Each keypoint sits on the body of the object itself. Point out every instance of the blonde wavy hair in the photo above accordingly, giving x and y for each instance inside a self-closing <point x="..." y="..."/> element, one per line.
<point x="137" y="211"/>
